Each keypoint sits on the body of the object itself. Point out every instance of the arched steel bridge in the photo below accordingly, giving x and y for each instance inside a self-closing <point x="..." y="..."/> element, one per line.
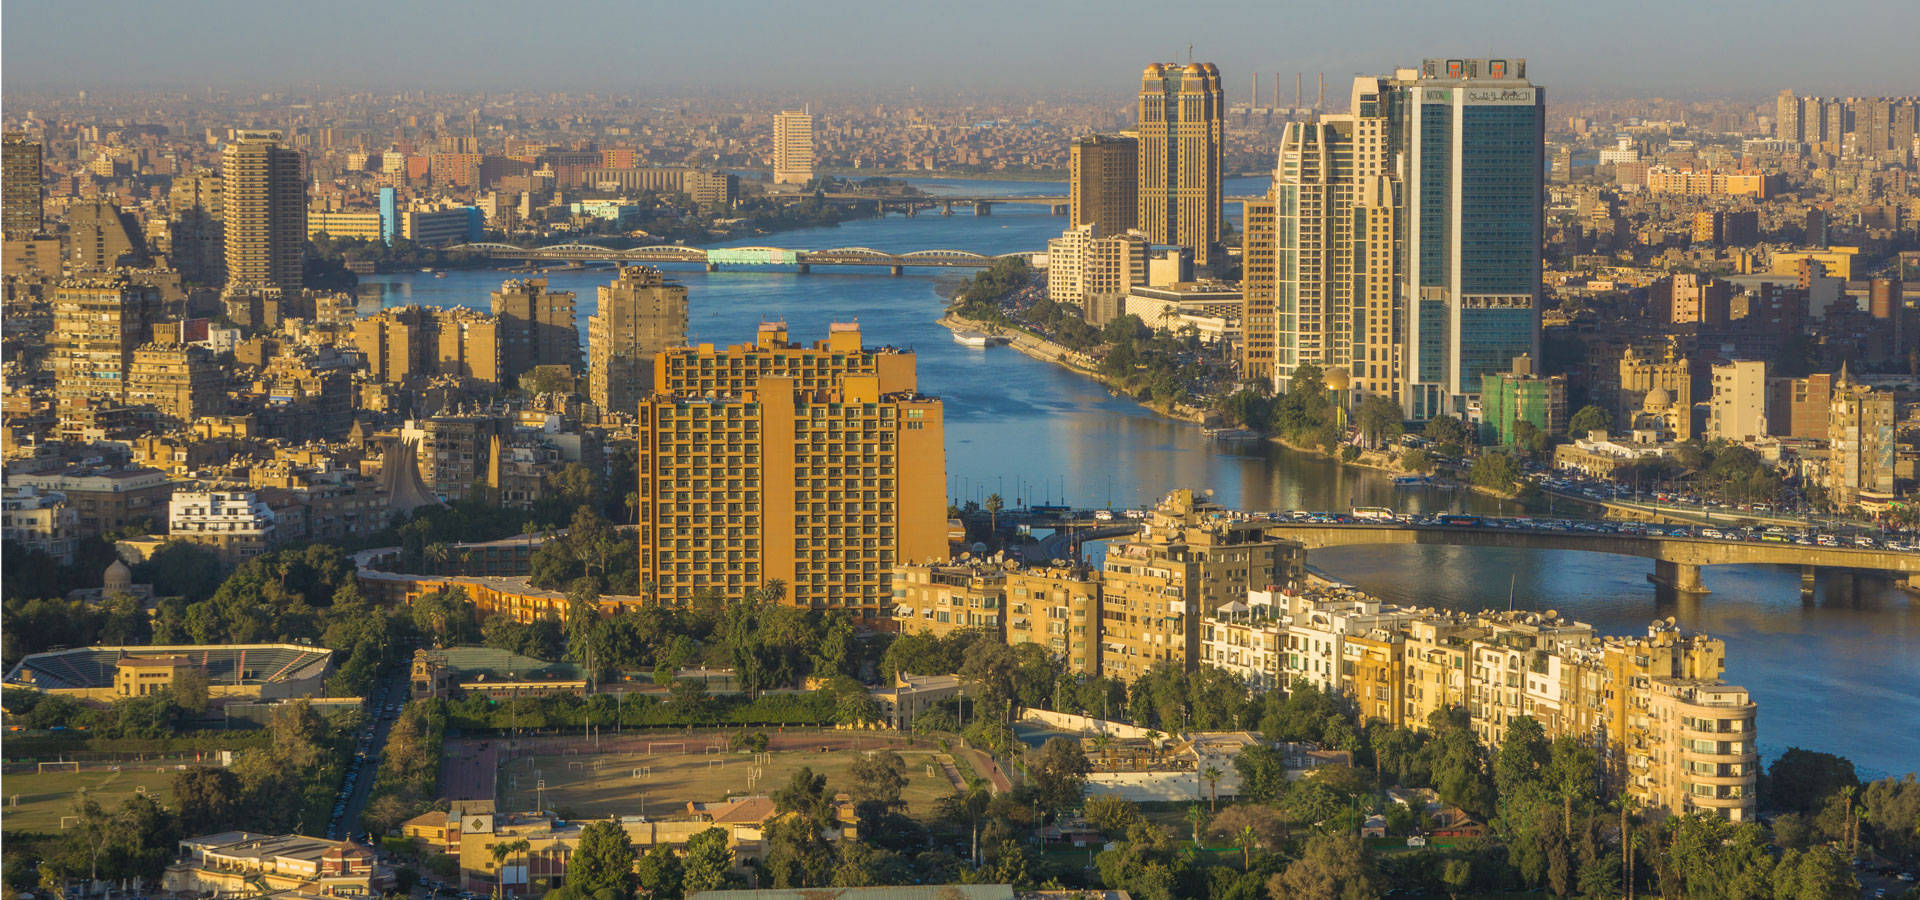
<point x="749" y="257"/>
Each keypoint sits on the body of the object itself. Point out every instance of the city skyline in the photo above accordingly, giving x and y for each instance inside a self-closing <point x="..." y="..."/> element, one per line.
<point x="1602" y="49"/>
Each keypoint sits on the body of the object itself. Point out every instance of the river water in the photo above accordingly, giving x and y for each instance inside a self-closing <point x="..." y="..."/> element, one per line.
<point x="1840" y="674"/>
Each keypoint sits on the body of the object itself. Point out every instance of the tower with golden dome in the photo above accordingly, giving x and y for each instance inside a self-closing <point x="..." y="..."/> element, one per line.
<point x="1182" y="122"/>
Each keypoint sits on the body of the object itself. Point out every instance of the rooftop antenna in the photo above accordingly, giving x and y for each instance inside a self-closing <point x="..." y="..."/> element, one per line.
<point x="1189" y="53"/>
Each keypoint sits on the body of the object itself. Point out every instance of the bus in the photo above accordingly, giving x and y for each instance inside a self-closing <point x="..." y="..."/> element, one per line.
<point x="1459" y="520"/>
<point x="1373" y="514"/>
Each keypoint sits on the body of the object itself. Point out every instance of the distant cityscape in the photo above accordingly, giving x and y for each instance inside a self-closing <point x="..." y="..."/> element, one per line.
<point x="334" y="570"/>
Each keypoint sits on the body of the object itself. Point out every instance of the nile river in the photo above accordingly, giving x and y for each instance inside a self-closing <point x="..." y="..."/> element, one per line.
<point x="1840" y="674"/>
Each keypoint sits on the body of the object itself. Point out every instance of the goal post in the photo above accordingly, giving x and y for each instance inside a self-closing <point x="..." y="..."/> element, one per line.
<point x="67" y="766"/>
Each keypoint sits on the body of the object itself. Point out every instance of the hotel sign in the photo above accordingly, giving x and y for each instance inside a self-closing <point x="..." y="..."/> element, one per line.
<point x="1499" y="96"/>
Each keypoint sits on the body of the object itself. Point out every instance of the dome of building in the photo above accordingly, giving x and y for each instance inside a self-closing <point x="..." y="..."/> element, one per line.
<point x="1339" y="379"/>
<point x="1658" y="398"/>
<point x="1195" y="69"/>
<point x="1156" y="70"/>
<point x="118" y="578"/>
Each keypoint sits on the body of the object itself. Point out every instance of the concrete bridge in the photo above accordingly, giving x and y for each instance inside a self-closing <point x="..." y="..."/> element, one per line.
<point x="982" y="205"/>
<point x="751" y="258"/>
<point x="1677" y="560"/>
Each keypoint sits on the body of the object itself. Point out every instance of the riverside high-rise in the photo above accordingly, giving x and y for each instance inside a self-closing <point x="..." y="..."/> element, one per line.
<point x="1182" y="122"/>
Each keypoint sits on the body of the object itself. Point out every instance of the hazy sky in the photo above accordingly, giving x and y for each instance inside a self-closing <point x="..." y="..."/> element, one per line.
<point x="1667" y="47"/>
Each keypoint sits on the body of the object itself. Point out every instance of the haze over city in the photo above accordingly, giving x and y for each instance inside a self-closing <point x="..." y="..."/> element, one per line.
<point x="1607" y="48"/>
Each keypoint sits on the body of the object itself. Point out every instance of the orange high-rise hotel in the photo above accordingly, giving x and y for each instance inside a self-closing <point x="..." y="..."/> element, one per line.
<point x="817" y="467"/>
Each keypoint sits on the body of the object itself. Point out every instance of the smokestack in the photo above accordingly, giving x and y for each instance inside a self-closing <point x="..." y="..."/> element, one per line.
<point x="1321" y="103"/>
<point x="1276" y="90"/>
<point x="1253" y="96"/>
<point x="1296" y="90"/>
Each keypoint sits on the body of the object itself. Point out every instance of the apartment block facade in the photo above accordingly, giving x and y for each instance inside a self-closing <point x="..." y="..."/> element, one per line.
<point x="639" y="315"/>
<point x="819" y="467"/>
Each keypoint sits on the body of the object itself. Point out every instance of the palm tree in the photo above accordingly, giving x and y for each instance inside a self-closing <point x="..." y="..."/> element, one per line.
<point x="1212" y="775"/>
<point x="1246" y="839"/>
<point x="994" y="505"/>
<point x="1626" y="803"/>
<point x="774" y="591"/>
<point x="1104" y="743"/>
<point x="500" y="853"/>
<point x="1196" y="818"/>
<point x="438" y="553"/>
<point x="1849" y="835"/>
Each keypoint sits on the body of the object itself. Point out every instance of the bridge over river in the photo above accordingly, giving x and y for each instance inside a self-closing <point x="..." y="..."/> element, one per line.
<point x="717" y="258"/>
<point x="1677" y="560"/>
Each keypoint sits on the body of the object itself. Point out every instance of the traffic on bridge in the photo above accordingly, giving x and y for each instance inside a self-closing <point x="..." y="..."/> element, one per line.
<point x="718" y="258"/>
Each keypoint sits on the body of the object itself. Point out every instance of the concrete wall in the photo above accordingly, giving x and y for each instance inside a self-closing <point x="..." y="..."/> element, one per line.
<point x="1140" y="787"/>
<point x="1075" y="724"/>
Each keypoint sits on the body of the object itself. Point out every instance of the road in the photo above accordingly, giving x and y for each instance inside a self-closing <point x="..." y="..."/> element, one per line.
<point x="390" y="690"/>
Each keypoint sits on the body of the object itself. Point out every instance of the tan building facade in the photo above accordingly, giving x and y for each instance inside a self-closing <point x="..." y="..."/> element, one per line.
<point x="1182" y="122"/>
<point x="819" y="467"/>
<point x="792" y="147"/>
<point x="263" y="198"/>
<point x="639" y="315"/>
<point x="536" y="328"/>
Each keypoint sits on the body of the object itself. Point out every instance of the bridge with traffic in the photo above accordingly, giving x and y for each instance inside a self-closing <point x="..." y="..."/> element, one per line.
<point x="1677" y="559"/>
<point x="982" y="205"/>
<point x="718" y="258"/>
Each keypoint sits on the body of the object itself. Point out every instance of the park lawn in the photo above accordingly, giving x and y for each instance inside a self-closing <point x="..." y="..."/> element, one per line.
<point x="35" y="801"/>
<point x="602" y="785"/>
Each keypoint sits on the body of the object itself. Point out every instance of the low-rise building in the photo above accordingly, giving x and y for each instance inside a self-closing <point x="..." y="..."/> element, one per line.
<point x="243" y="863"/>
<point x="237" y="671"/>
<point x="41" y="521"/>
<point x="237" y="525"/>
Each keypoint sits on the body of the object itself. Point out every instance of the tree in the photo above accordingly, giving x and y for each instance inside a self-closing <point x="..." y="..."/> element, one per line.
<point x="1495" y="470"/>
<point x="1212" y="774"/>
<point x="506" y="850"/>
<point x="1379" y="420"/>
<point x="1251" y="827"/>
<point x="1332" y="867"/>
<point x="1417" y="461"/>
<point x="603" y="861"/>
<point x="1059" y="774"/>
<point x="1523" y="754"/>
<point x="1802" y="780"/>
<point x="1817" y="873"/>
<point x="661" y="873"/>
<point x="1589" y="418"/>
<point x="879" y="778"/>
<point x="993" y="507"/>
<point x="806" y="794"/>
<point x="1446" y="430"/>
<point x="708" y="862"/>
<point x="1456" y="874"/>
<point x="208" y="799"/>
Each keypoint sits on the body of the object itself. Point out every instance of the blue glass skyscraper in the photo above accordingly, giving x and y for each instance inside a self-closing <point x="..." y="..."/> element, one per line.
<point x="1470" y="134"/>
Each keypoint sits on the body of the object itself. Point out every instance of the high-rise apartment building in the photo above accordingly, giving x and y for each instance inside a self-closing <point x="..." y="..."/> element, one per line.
<point x="1737" y="410"/>
<point x="1095" y="273"/>
<point x="1401" y="242"/>
<point x="1787" y="123"/>
<point x="178" y="382"/>
<point x="792" y="147"/>
<point x="197" y="228"/>
<point x="1522" y="395"/>
<point x="536" y="328"/>
<point x="1321" y="267"/>
<point x="640" y="314"/>
<point x="1860" y="441"/>
<point x="407" y="341"/>
<point x="22" y="187"/>
<point x="817" y="467"/>
<point x="1103" y="183"/>
<point x="98" y="322"/>
<point x="1182" y="121"/>
<point x="100" y="236"/>
<point x="263" y="195"/>
<point x="1189" y="559"/>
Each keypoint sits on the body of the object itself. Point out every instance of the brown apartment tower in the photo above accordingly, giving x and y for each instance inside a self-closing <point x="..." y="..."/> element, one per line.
<point x="1104" y="183"/>
<point x="265" y="204"/>
<point x="640" y="315"/>
<point x="1182" y="123"/>
<point x="536" y="328"/>
<point x="818" y="468"/>
<point x="22" y="187"/>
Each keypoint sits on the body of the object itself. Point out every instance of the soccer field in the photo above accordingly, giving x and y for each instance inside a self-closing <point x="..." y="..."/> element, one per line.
<point x="660" y="777"/>
<point x="35" y="801"/>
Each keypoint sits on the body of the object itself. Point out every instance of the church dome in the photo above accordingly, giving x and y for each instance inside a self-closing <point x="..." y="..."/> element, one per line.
<point x="117" y="578"/>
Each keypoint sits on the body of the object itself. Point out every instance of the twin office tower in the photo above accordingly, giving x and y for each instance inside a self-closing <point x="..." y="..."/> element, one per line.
<point x="1400" y="241"/>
